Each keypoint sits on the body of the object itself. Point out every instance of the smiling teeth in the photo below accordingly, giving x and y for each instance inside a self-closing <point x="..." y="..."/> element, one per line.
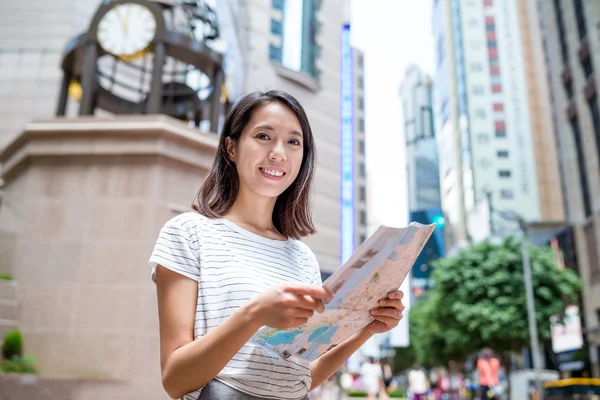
<point x="272" y="173"/>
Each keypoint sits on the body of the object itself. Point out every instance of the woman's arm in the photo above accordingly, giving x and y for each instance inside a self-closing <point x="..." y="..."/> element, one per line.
<point x="189" y="364"/>
<point x="326" y="365"/>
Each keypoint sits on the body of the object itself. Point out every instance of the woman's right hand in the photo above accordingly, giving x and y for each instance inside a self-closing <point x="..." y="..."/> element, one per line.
<point x="288" y="305"/>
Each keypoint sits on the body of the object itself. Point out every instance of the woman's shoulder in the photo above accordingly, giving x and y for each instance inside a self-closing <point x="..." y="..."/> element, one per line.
<point x="191" y="222"/>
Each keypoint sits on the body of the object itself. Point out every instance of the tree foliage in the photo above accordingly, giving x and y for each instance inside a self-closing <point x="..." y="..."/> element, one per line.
<point x="478" y="300"/>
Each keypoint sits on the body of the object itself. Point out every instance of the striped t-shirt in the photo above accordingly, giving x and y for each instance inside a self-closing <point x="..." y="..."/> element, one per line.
<point x="233" y="265"/>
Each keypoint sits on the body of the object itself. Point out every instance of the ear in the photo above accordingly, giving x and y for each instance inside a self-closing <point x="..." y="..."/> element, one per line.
<point x="230" y="146"/>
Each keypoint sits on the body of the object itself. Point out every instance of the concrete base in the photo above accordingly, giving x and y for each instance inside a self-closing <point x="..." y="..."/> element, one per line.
<point x="83" y="202"/>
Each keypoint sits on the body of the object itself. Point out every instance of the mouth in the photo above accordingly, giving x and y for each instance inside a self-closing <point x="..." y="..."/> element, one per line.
<point x="272" y="173"/>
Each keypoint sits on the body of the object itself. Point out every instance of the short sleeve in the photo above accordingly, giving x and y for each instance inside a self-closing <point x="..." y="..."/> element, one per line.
<point x="176" y="250"/>
<point x="316" y="279"/>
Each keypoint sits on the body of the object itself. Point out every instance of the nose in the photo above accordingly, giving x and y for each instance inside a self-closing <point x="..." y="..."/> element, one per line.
<point x="277" y="153"/>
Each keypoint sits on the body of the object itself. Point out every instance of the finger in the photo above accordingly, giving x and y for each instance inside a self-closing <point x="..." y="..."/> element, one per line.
<point x="386" y="312"/>
<point x="397" y="304"/>
<point x="315" y="291"/>
<point x="389" y="322"/>
<point x="309" y="303"/>
<point x="302" y="313"/>
<point x="396" y="294"/>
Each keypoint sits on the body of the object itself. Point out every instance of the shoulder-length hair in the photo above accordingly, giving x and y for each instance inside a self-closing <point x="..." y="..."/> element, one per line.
<point x="292" y="214"/>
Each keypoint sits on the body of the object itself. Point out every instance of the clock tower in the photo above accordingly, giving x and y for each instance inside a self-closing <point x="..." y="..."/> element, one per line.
<point x="147" y="57"/>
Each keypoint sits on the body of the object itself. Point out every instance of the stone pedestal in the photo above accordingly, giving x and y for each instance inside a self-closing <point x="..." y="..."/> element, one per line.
<point x="83" y="202"/>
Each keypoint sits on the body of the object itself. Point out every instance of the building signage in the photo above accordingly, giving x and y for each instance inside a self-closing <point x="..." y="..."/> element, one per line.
<point x="347" y="148"/>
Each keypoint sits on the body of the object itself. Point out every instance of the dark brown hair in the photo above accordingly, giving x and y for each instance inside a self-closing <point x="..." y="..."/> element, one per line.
<point x="292" y="214"/>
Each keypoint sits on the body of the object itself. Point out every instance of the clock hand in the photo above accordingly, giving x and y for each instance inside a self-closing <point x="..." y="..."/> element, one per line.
<point x="123" y="21"/>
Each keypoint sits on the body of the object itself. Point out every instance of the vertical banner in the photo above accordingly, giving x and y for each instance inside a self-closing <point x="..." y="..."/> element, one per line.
<point x="347" y="148"/>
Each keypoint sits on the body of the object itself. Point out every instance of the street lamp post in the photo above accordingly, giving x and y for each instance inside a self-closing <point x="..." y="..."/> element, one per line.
<point x="528" y="281"/>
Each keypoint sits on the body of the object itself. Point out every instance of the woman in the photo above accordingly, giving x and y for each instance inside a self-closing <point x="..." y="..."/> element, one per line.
<point x="235" y="264"/>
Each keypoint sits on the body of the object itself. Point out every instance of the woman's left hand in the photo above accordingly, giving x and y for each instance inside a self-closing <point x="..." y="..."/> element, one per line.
<point x="388" y="314"/>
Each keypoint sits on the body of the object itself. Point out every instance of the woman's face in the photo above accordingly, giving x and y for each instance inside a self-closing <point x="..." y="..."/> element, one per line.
<point x="269" y="152"/>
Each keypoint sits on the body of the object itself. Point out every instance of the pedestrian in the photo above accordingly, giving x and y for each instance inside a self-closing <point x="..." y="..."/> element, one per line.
<point x="417" y="383"/>
<point x="488" y="367"/>
<point x="371" y="375"/>
<point x="235" y="263"/>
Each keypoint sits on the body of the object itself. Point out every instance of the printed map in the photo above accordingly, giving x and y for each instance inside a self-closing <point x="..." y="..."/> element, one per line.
<point x="376" y="268"/>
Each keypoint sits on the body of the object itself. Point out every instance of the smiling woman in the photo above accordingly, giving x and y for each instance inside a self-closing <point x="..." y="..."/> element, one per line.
<point x="234" y="264"/>
<point x="269" y="133"/>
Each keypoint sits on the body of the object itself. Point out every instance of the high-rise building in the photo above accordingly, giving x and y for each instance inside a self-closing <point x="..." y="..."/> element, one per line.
<point x="572" y="44"/>
<point x="491" y="117"/>
<point x="422" y="170"/>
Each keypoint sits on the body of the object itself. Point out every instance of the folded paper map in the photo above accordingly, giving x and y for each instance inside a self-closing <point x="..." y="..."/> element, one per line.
<point x="376" y="268"/>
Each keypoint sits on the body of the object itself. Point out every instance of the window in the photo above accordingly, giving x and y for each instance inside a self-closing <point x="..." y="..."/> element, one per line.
<point x="595" y="111"/>
<point x="363" y="217"/>
<point x="473" y="21"/>
<point x="504" y="173"/>
<point x="276" y="27"/>
<point x="587" y="67"/>
<point x="492" y="43"/>
<point x="362" y="193"/>
<point x="479" y="113"/>
<point x="579" y="15"/>
<point x="500" y="134"/>
<point x="299" y="50"/>
<point x="500" y="125"/>
<point x="361" y="170"/>
<point x="502" y="153"/>
<point x="361" y="147"/>
<point x="585" y="191"/>
<point x="494" y="70"/>
<point x="275" y="53"/>
<point x="362" y="238"/>
<point x="496" y="88"/>
<point x="498" y="107"/>
<point x="361" y="125"/>
<point x="361" y="82"/>
<point x="560" y="24"/>
<point x="361" y="61"/>
<point x="476" y="67"/>
<point x="488" y="3"/>
<point x="361" y="103"/>
<point x="478" y="90"/>
<point x="507" y="194"/>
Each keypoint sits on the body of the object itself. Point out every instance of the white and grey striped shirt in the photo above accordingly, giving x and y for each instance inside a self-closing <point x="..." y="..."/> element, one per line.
<point x="233" y="265"/>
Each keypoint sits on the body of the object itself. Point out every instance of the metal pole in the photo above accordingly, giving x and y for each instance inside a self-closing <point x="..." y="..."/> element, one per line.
<point x="533" y="334"/>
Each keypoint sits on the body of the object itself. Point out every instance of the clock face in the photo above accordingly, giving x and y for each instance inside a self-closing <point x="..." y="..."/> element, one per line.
<point x="127" y="29"/>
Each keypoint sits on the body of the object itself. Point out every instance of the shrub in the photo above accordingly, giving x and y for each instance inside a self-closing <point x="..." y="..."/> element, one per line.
<point x="13" y="345"/>
<point x="6" y="277"/>
<point x="18" y="365"/>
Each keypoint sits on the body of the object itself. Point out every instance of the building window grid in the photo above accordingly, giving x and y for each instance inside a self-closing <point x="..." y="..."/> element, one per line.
<point x="560" y="24"/>
<point x="496" y="83"/>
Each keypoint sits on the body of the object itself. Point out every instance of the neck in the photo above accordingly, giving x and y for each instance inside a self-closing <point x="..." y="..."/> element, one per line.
<point x="252" y="210"/>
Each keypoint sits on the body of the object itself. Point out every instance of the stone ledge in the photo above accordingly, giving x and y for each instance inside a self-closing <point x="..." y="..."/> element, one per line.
<point x="149" y="135"/>
<point x="25" y="387"/>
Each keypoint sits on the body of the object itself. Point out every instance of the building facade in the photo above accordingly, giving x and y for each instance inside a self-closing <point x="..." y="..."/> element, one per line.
<point x="422" y="170"/>
<point x="268" y="44"/>
<point x="572" y="48"/>
<point x="491" y="147"/>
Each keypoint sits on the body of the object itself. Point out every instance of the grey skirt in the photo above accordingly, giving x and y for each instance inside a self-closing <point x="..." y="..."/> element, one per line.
<point x="216" y="390"/>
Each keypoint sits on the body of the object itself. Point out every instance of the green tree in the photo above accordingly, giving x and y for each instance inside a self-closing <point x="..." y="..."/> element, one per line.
<point x="481" y="298"/>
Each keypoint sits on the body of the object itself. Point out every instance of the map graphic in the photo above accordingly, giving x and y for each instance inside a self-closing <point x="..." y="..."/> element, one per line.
<point x="376" y="268"/>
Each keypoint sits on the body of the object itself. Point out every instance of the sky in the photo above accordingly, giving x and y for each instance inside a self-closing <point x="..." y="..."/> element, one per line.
<point x="394" y="34"/>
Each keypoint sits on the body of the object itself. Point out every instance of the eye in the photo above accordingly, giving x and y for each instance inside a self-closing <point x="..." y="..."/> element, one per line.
<point x="262" y="136"/>
<point x="295" y="142"/>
